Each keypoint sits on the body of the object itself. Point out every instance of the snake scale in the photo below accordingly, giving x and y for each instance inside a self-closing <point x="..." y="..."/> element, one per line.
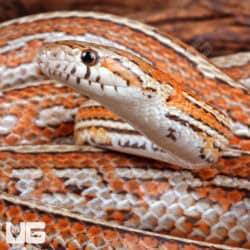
<point x="93" y="198"/>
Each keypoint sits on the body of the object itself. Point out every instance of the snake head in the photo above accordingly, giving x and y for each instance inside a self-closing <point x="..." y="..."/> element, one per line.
<point x="190" y="132"/>
<point x="101" y="67"/>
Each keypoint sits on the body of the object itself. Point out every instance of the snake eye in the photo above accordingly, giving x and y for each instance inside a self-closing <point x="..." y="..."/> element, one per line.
<point x="89" y="57"/>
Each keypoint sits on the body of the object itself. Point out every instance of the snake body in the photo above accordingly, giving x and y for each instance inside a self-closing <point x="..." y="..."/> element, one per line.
<point x="195" y="205"/>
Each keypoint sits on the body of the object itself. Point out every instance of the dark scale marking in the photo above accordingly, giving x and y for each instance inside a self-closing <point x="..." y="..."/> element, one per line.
<point x="203" y="156"/>
<point x="65" y="67"/>
<point x="149" y="89"/>
<point x="208" y="112"/>
<point x="118" y="59"/>
<point x="87" y="73"/>
<point x="221" y="81"/>
<point x="67" y="77"/>
<point x="194" y="91"/>
<point x="135" y="62"/>
<point x="97" y="79"/>
<point x="93" y="107"/>
<point x="89" y="82"/>
<point x="168" y="99"/>
<point x="78" y="80"/>
<point x="183" y="122"/>
<point x="196" y="129"/>
<point x="112" y="130"/>
<point x="73" y="71"/>
<point x="193" y="63"/>
<point x="171" y="134"/>
<point x="217" y="146"/>
<point x="202" y="122"/>
<point x="156" y="149"/>
<point x="118" y="74"/>
<point x="126" y="144"/>
<point x="135" y="75"/>
<point x="74" y="189"/>
<point x="213" y="128"/>
<point x="134" y="145"/>
<point x="68" y="44"/>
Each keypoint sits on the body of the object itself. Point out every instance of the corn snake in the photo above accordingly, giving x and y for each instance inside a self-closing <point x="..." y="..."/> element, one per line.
<point x="137" y="182"/>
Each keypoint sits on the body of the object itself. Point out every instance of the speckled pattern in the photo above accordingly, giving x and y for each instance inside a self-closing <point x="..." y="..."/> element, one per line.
<point x="133" y="192"/>
<point x="51" y="107"/>
<point x="71" y="231"/>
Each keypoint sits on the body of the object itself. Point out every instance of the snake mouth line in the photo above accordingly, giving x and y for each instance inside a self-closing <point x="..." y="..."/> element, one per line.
<point x="77" y="80"/>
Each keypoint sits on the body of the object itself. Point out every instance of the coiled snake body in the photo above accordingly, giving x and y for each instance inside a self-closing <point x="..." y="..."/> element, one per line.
<point x="99" y="199"/>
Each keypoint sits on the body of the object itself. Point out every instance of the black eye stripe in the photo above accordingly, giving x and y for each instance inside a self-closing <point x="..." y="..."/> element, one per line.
<point x="89" y="57"/>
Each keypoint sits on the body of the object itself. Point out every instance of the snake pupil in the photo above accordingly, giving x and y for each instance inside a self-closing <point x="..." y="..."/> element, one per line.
<point x="89" y="57"/>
